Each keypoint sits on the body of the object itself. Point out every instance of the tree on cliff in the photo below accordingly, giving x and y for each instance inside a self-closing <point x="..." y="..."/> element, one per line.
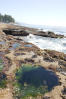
<point x="6" y="18"/>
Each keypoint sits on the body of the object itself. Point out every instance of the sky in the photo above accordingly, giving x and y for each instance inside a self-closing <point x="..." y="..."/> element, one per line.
<point x="37" y="12"/>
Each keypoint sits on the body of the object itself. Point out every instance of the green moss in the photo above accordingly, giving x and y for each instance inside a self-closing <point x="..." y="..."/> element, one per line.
<point x="27" y="90"/>
<point x="2" y="80"/>
<point x="2" y="75"/>
<point x="1" y="65"/>
<point x="3" y="83"/>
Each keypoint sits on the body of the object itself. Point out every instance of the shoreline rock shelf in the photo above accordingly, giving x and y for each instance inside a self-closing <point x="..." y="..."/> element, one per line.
<point x="24" y="31"/>
<point x="28" y="53"/>
<point x="48" y="34"/>
<point x="15" y="32"/>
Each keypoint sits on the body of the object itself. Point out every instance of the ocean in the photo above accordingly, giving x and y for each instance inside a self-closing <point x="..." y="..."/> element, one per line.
<point x="58" y="44"/>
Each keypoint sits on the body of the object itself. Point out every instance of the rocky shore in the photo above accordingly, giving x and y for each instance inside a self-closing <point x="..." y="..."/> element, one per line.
<point x="24" y="31"/>
<point x="15" y="52"/>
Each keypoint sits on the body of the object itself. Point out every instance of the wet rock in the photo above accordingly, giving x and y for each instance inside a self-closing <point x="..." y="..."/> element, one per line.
<point x="29" y="60"/>
<point x="64" y="90"/>
<point x="8" y="61"/>
<point x="62" y="63"/>
<point x="17" y="54"/>
<point x="15" y="32"/>
<point x="57" y="55"/>
<point x="21" y="49"/>
<point x="47" y="57"/>
<point x="2" y="76"/>
<point x="34" y="56"/>
<point x="19" y="39"/>
<point x="49" y="34"/>
<point x="52" y="67"/>
<point x="63" y="97"/>
<point x="46" y="97"/>
<point x="60" y="83"/>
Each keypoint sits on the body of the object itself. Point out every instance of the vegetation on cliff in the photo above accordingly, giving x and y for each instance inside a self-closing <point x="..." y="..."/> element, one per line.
<point x="6" y="18"/>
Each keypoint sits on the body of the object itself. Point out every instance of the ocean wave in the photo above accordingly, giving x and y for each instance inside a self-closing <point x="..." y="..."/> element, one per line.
<point x="47" y="43"/>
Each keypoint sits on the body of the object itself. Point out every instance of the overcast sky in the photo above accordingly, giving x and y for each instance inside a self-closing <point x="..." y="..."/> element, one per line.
<point x="41" y="12"/>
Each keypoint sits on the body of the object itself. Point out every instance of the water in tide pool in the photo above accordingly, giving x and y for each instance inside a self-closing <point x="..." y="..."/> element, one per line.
<point x="33" y="81"/>
<point x="38" y="76"/>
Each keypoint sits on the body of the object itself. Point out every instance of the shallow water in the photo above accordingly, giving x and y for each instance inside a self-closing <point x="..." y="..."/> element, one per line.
<point x="14" y="46"/>
<point x="47" y="43"/>
<point x="2" y="80"/>
<point x="33" y="81"/>
<point x="1" y="64"/>
<point x="2" y="42"/>
<point x="28" y="45"/>
<point x="38" y="77"/>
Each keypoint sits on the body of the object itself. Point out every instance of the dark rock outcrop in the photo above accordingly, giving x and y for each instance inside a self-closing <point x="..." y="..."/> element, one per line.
<point x="49" y="34"/>
<point x="16" y="32"/>
<point x="64" y="90"/>
<point x="62" y="63"/>
<point x="24" y="31"/>
<point x="48" y="59"/>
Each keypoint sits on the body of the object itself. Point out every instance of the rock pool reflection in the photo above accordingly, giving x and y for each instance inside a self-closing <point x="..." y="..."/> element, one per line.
<point x="39" y="76"/>
<point x="35" y="79"/>
<point x="2" y="42"/>
<point x="14" y="46"/>
<point x="28" y="45"/>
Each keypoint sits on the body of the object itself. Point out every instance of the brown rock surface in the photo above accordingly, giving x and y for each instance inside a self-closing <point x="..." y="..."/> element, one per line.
<point x="52" y="60"/>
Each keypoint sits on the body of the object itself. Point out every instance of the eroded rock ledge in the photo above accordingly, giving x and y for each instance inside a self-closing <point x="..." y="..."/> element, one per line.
<point x="49" y="34"/>
<point x="15" y="32"/>
<point x="24" y="31"/>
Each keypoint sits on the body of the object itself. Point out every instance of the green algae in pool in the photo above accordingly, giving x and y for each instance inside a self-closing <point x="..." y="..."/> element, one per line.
<point x="34" y="81"/>
<point x="2" y="80"/>
<point x="1" y="64"/>
<point x="2" y="75"/>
